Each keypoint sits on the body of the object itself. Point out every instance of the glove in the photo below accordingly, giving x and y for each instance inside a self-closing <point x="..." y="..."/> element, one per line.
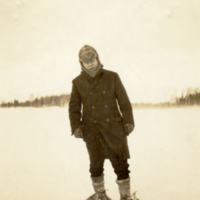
<point x="128" y="128"/>
<point x="78" y="133"/>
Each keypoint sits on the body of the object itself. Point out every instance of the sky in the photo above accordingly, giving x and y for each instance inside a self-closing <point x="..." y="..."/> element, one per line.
<point x="154" y="45"/>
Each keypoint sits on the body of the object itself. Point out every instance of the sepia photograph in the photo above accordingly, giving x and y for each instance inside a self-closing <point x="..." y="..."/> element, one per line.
<point x="99" y="100"/>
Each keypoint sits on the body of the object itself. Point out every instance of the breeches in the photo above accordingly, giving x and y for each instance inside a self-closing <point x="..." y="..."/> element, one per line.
<point x="120" y="167"/>
<point x="97" y="157"/>
<point x="99" y="150"/>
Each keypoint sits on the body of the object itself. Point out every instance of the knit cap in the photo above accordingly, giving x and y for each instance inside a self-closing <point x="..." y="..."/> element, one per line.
<point x="87" y="54"/>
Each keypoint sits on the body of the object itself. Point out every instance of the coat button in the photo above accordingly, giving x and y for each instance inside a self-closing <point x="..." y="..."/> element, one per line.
<point x="93" y="107"/>
<point x="107" y="120"/>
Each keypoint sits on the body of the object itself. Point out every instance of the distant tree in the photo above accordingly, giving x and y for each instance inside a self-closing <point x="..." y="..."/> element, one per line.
<point x="16" y="103"/>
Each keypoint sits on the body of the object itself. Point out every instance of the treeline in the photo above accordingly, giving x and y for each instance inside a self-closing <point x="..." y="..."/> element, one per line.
<point x="61" y="101"/>
<point x="151" y="105"/>
<point x="189" y="99"/>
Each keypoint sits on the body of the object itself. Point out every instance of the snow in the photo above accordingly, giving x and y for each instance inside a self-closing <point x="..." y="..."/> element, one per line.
<point x="40" y="160"/>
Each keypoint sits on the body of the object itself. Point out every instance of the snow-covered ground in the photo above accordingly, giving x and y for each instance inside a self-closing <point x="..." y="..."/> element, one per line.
<point x="40" y="160"/>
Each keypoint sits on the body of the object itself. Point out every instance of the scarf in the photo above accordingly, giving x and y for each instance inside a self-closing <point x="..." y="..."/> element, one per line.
<point x="93" y="72"/>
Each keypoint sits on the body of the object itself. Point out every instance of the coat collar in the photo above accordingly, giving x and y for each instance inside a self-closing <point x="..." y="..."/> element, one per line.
<point x="92" y="82"/>
<point x="94" y="79"/>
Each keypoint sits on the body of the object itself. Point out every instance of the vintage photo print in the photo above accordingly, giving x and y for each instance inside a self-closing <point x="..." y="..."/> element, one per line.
<point x="99" y="100"/>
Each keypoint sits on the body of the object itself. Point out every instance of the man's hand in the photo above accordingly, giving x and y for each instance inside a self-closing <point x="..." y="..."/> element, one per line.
<point x="78" y="133"/>
<point x="128" y="128"/>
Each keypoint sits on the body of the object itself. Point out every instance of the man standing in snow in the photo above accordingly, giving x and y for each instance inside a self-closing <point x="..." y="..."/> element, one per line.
<point x="100" y="112"/>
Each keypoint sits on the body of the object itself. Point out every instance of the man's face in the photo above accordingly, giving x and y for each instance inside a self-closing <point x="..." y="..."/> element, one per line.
<point x="91" y="65"/>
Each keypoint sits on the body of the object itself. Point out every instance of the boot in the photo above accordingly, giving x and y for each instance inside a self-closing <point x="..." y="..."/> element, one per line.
<point x="100" y="192"/>
<point x="124" y="189"/>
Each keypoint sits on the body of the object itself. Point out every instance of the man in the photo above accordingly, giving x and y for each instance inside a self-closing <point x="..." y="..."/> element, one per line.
<point x="100" y="112"/>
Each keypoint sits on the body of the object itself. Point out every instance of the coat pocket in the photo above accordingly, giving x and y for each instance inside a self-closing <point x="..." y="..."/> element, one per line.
<point x="116" y="119"/>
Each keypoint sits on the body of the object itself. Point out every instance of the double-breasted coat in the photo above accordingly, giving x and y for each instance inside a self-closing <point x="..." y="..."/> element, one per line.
<point x="101" y="103"/>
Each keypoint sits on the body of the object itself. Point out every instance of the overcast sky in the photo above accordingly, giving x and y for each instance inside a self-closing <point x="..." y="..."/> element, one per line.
<point x="153" y="45"/>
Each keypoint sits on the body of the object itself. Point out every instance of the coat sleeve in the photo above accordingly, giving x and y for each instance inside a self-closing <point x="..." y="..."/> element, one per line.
<point x="75" y="108"/>
<point x="123" y="101"/>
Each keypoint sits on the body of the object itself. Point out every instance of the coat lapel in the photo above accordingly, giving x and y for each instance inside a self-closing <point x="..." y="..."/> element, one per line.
<point x="92" y="82"/>
<point x="89" y="84"/>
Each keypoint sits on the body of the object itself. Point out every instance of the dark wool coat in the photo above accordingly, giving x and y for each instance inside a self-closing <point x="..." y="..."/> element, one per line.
<point x="100" y="107"/>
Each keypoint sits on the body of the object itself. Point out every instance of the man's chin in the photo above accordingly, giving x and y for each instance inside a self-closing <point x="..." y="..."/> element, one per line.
<point x="91" y="69"/>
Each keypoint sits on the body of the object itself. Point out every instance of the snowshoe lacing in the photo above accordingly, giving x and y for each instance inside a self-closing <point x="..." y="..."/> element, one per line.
<point x="132" y="197"/>
<point x="102" y="195"/>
